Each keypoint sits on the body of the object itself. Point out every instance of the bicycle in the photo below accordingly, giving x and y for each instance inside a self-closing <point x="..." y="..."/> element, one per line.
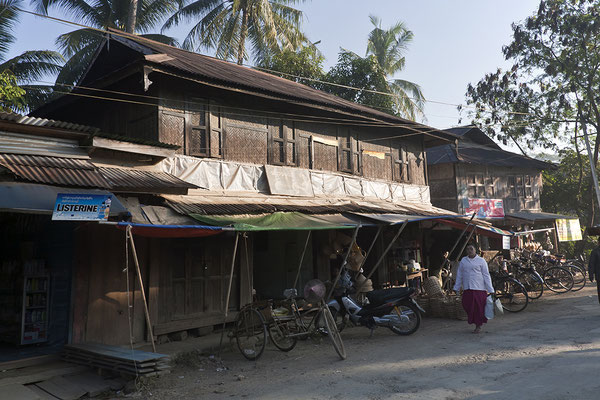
<point x="284" y="329"/>
<point x="529" y="278"/>
<point x="556" y="278"/>
<point x="510" y="291"/>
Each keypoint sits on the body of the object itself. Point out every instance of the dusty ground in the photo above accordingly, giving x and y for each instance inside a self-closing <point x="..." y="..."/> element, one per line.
<point x="549" y="351"/>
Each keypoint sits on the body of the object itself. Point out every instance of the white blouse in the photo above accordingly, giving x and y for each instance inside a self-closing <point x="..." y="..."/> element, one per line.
<point x="473" y="274"/>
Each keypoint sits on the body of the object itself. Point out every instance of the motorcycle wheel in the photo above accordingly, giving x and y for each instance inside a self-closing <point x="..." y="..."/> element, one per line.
<point x="412" y="312"/>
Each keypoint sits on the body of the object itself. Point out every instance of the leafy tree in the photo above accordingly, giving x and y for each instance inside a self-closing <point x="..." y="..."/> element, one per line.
<point x="360" y="72"/>
<point x="554" y="81"/>
<point x="79" y="45"/>
<point x="567" y="190"/>
<point x="227" y="25"/>
<point x="388" y="46"/>
<point x="305" y="62"/>
<point x="12" y="97"/>
<point x="373" y="73"/>
<point x="19" y="73"/>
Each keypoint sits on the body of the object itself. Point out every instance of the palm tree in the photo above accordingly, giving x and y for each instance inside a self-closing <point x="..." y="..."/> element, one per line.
<point x="388" y="46"/>
<point x="26" y="68"/>
<point x="226" y="26"/>
<point x="79" y="45"/>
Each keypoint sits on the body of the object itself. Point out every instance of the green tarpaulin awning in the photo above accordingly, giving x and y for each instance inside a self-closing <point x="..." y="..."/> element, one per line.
<point x="278" y="221"/>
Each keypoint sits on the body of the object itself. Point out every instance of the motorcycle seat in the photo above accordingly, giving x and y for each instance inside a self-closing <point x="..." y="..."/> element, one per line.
<point x="377" y="297"/>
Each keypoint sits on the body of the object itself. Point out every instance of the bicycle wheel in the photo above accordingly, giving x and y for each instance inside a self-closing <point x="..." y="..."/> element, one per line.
<point x="578" y="276"/>
<point x="333" y="333"/>
<point x="558" y="279"/>
<point x="533" y="283"/>
<point x="250" y="333"/>
<point x="410" y="320"/>
<point x="280" y="332"/>
<point x="321" y="326"/>
<point x="512" y="295"/>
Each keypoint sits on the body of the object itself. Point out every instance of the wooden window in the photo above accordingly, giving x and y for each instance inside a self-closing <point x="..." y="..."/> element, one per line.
<point x="401" y="168"/>
<point x="197" y="128"/>
<point x="475" y="186"/>
<point x="489" y="187"/>
<point x="204" y="131"/>
<point x="528" y="181"/>
<point x="283" y="147"/>
<point x="512" y="186"/>
<point x="345" y="163"/>
<point x="520" y="185"/>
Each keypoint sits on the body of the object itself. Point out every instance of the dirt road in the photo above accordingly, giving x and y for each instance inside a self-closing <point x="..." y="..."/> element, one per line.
<point x="549" y="351"/>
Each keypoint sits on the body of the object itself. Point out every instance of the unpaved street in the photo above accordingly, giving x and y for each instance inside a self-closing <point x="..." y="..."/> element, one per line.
<point x="549" y="351"/>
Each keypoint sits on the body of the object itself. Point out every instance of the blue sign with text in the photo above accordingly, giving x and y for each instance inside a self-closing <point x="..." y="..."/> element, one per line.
<point x="81" y="207"/>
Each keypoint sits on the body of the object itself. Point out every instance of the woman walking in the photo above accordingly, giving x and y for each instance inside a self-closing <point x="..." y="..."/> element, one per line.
<point x="473" y="277"/>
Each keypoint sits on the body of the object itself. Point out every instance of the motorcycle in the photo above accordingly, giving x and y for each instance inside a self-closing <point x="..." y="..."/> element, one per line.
<point x="394" y="308"/>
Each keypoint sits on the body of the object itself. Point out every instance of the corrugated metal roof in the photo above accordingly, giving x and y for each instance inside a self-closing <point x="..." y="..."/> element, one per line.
<point x="472" y="153"/>
<point x="259" y="204"/>
<point x="49" y="123"/>
<point x="234" y="75"/>
<point x="122" y="179"/>
<point x="54" y="170"/>
<point x="82" y="173"/>
<point x="536" y="216"/>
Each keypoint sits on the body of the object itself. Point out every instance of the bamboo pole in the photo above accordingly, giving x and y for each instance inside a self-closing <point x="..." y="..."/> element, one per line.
<point x="235" y="246"/>
<point x="387" y="249"/>
<point x="337" y="278"/>
<point x="301" y="259"/>
<point x="139" y="274"/>
<point x="379" y="229"/>
<point x="457" y="241"/>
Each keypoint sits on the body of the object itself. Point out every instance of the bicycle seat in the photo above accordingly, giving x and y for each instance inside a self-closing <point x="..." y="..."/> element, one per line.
<point x="377" y="297"/>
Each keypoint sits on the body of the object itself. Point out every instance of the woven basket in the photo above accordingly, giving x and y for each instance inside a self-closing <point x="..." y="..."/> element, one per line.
<point x="437" y="306"/>
<point x="425" y="304"/>
<point x="460" y="311"/>
<point x="432" y="287"/>
<point x="449" y="308"/>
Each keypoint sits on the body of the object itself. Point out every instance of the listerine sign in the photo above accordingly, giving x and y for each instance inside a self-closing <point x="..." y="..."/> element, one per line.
<point x="81" y="207"/>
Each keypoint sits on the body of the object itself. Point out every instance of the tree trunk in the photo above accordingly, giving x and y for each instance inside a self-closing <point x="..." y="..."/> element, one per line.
<point x="243" y="35"/>
<point x="132" y="17"/>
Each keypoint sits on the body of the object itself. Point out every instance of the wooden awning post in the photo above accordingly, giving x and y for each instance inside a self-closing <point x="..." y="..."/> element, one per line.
<point x="457" y="241"/>
<point x="301" y="259"/>
<point x="337" y="278"/>
<point x="387" y="249"/>
<point x="371" y="247"/>
<point x="225" y="313"/>
<point x="139" y="274"/>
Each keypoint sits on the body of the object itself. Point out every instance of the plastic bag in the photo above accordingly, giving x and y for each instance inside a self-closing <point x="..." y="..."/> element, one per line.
<point x="489" y="308"/>
<point x="499" y="310"/>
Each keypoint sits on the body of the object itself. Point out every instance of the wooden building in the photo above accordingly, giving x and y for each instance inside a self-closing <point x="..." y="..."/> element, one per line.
<point x="251" y="143"/>
<point x="477" y="168"/>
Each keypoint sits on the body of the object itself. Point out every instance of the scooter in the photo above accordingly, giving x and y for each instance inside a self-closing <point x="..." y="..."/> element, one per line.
<point x="394" y="308"/>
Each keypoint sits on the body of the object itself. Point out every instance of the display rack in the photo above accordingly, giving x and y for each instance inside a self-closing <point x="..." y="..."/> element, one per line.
<point x="34" y="315"/>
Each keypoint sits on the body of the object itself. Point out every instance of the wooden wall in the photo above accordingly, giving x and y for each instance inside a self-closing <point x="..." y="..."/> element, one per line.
<point x="185" y="282"/>
<point x="254" y="130"/>
<point x="444" y="185"/>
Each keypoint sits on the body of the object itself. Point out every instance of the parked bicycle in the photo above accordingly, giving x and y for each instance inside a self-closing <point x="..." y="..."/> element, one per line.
<point x="510" y="291"/>
<point x="285" y="324"/>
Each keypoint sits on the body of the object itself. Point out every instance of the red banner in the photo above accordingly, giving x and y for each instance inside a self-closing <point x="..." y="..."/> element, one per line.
<point x="485" y="208"/>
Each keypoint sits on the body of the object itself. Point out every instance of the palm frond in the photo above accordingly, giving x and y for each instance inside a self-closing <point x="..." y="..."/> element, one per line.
<point x="76" y="65"/>
<point x="194" y="10"/>
<point x="34" y="65"/>
<point x="171" y="41"/>
<point x="72" y="42"/>
<point x="8" y="19"/>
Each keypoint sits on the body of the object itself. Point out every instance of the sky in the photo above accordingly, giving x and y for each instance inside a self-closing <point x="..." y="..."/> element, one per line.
<point x="456" y="42"/>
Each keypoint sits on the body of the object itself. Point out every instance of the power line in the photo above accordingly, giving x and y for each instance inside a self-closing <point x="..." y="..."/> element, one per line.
<point x="103" y="32"/>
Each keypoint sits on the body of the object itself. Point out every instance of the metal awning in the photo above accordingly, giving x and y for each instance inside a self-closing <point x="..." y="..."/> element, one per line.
<point x="172" y="231"/>
<point x="40" y="199"/>
<point x="481" y="229"/>
<point x="531" y="216"/>
<point x="394" y="219"/>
